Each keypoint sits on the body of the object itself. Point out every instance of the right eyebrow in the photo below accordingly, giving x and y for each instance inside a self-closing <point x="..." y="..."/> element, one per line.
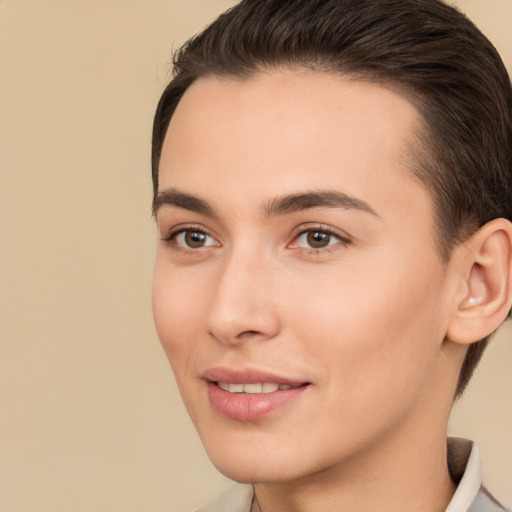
<point x="177" y="199"/>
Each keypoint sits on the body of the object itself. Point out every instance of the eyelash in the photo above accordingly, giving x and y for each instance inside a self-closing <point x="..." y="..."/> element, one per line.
<point x="342" y="241"/>
<point x="170" y="239"/>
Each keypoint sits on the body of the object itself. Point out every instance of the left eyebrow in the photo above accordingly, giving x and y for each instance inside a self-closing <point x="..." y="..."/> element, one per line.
<point x="316" y="199"/>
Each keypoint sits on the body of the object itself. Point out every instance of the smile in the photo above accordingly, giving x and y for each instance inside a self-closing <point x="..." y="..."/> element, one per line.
<point x="253" y="388"/>
<point x="250" y="394"/>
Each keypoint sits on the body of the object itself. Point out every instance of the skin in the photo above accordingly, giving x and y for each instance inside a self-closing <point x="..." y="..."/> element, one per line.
<point x="363" y="319"/>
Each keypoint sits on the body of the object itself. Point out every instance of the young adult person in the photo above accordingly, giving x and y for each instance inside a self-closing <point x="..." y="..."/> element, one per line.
<point x="333" y="195"/>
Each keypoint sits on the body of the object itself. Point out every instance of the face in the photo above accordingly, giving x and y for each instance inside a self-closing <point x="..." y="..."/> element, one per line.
<point x="298" y="291"/>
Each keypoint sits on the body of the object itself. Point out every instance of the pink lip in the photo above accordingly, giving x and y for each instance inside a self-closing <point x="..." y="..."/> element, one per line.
<point x="247" y="376"/>
<point x="249" y="407"/>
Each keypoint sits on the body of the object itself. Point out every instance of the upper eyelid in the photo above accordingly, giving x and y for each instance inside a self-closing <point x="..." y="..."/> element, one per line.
<point x="320" y="229"/>
<point x="169" y="215"/>
<point x="342" y="235"/>
<point x="180" y="228"/>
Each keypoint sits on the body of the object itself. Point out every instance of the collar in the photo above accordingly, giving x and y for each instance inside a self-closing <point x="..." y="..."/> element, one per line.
<point x="465" y="470"/>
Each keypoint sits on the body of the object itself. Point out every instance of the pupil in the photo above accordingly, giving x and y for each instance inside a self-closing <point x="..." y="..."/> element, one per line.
<point x="318" y="239"/>
<point x="195" y="239"/>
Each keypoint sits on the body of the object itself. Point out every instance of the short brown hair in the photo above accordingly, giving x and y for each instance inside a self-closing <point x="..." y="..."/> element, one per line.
<point x="427" y="50"/>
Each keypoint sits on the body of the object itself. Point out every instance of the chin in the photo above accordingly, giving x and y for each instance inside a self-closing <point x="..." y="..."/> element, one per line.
<point x="254" y="461"/>
<point x="251" y="472"/>
<point x="243" y="475"/>
<point x="244" y="464"/>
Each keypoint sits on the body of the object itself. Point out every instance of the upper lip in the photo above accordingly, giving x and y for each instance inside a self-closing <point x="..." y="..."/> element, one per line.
<point x="247" y="376"/>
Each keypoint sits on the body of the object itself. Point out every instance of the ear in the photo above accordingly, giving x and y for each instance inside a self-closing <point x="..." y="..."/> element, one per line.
<point x="484" y="269"/>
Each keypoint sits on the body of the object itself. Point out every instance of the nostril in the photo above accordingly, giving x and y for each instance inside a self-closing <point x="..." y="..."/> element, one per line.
<point x="250" y="334"/>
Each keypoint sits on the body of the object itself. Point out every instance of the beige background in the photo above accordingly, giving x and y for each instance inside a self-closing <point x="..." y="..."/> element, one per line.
<point x="90" y="419"/>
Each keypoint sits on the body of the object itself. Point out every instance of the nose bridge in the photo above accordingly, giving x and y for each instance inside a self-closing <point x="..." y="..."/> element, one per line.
<point x="242" y="305"/>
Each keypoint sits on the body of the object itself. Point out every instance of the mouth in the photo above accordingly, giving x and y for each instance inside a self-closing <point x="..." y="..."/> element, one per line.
<point x="255" y="388"/>
<point x="250" y="395"/>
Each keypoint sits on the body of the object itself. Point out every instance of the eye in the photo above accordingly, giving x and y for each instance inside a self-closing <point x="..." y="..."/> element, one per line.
<point x="192" y="239"/>
<point x="317" y="239"/>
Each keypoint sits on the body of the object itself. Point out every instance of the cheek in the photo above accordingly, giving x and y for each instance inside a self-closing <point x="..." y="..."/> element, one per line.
<point x="376" y="332"/>
<point x="178" y="318"/>
<point x="177" y="314"/>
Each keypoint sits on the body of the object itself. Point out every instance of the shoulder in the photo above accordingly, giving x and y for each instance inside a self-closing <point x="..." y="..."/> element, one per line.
<point x="237" y="498"/>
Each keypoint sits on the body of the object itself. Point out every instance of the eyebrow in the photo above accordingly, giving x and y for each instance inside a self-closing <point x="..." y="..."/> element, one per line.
<point x="177" y="199"/>
<point x="316" y="199"/>
<point x="282" y="205"/>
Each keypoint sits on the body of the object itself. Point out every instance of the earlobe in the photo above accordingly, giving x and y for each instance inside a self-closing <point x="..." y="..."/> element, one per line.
<point x="486" y="269"/>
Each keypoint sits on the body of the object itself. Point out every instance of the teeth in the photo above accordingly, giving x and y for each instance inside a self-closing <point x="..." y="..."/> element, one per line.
<point x="236" y="388"/>
<point x="253" y="388"/>
<point x="269" y="387"/>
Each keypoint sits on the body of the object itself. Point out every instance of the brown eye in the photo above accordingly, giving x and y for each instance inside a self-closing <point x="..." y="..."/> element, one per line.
<point x="318" y="239"/>
<point x="193" y="239"/>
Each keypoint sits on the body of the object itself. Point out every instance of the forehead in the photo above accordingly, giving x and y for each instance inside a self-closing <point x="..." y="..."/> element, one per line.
<point x="303" y="98"/>
<point x="281" y="130"/>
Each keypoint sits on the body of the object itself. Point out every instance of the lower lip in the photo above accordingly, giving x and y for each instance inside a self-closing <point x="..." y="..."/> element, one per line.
<point x="249" y="407"/>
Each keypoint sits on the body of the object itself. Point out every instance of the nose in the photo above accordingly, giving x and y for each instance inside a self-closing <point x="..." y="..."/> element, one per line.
<point x="243" y="305"/>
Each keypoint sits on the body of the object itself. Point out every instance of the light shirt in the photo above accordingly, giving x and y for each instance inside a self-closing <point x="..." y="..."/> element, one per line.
<point x="463" y="464"/>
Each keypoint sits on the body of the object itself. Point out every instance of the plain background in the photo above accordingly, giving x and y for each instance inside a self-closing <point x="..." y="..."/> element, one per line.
<point x="90" y="419"/>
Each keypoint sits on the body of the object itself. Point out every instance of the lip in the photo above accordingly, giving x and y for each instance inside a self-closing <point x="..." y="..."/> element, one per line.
<point x="247" y="376"/>
<point x="249" y="407"/>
